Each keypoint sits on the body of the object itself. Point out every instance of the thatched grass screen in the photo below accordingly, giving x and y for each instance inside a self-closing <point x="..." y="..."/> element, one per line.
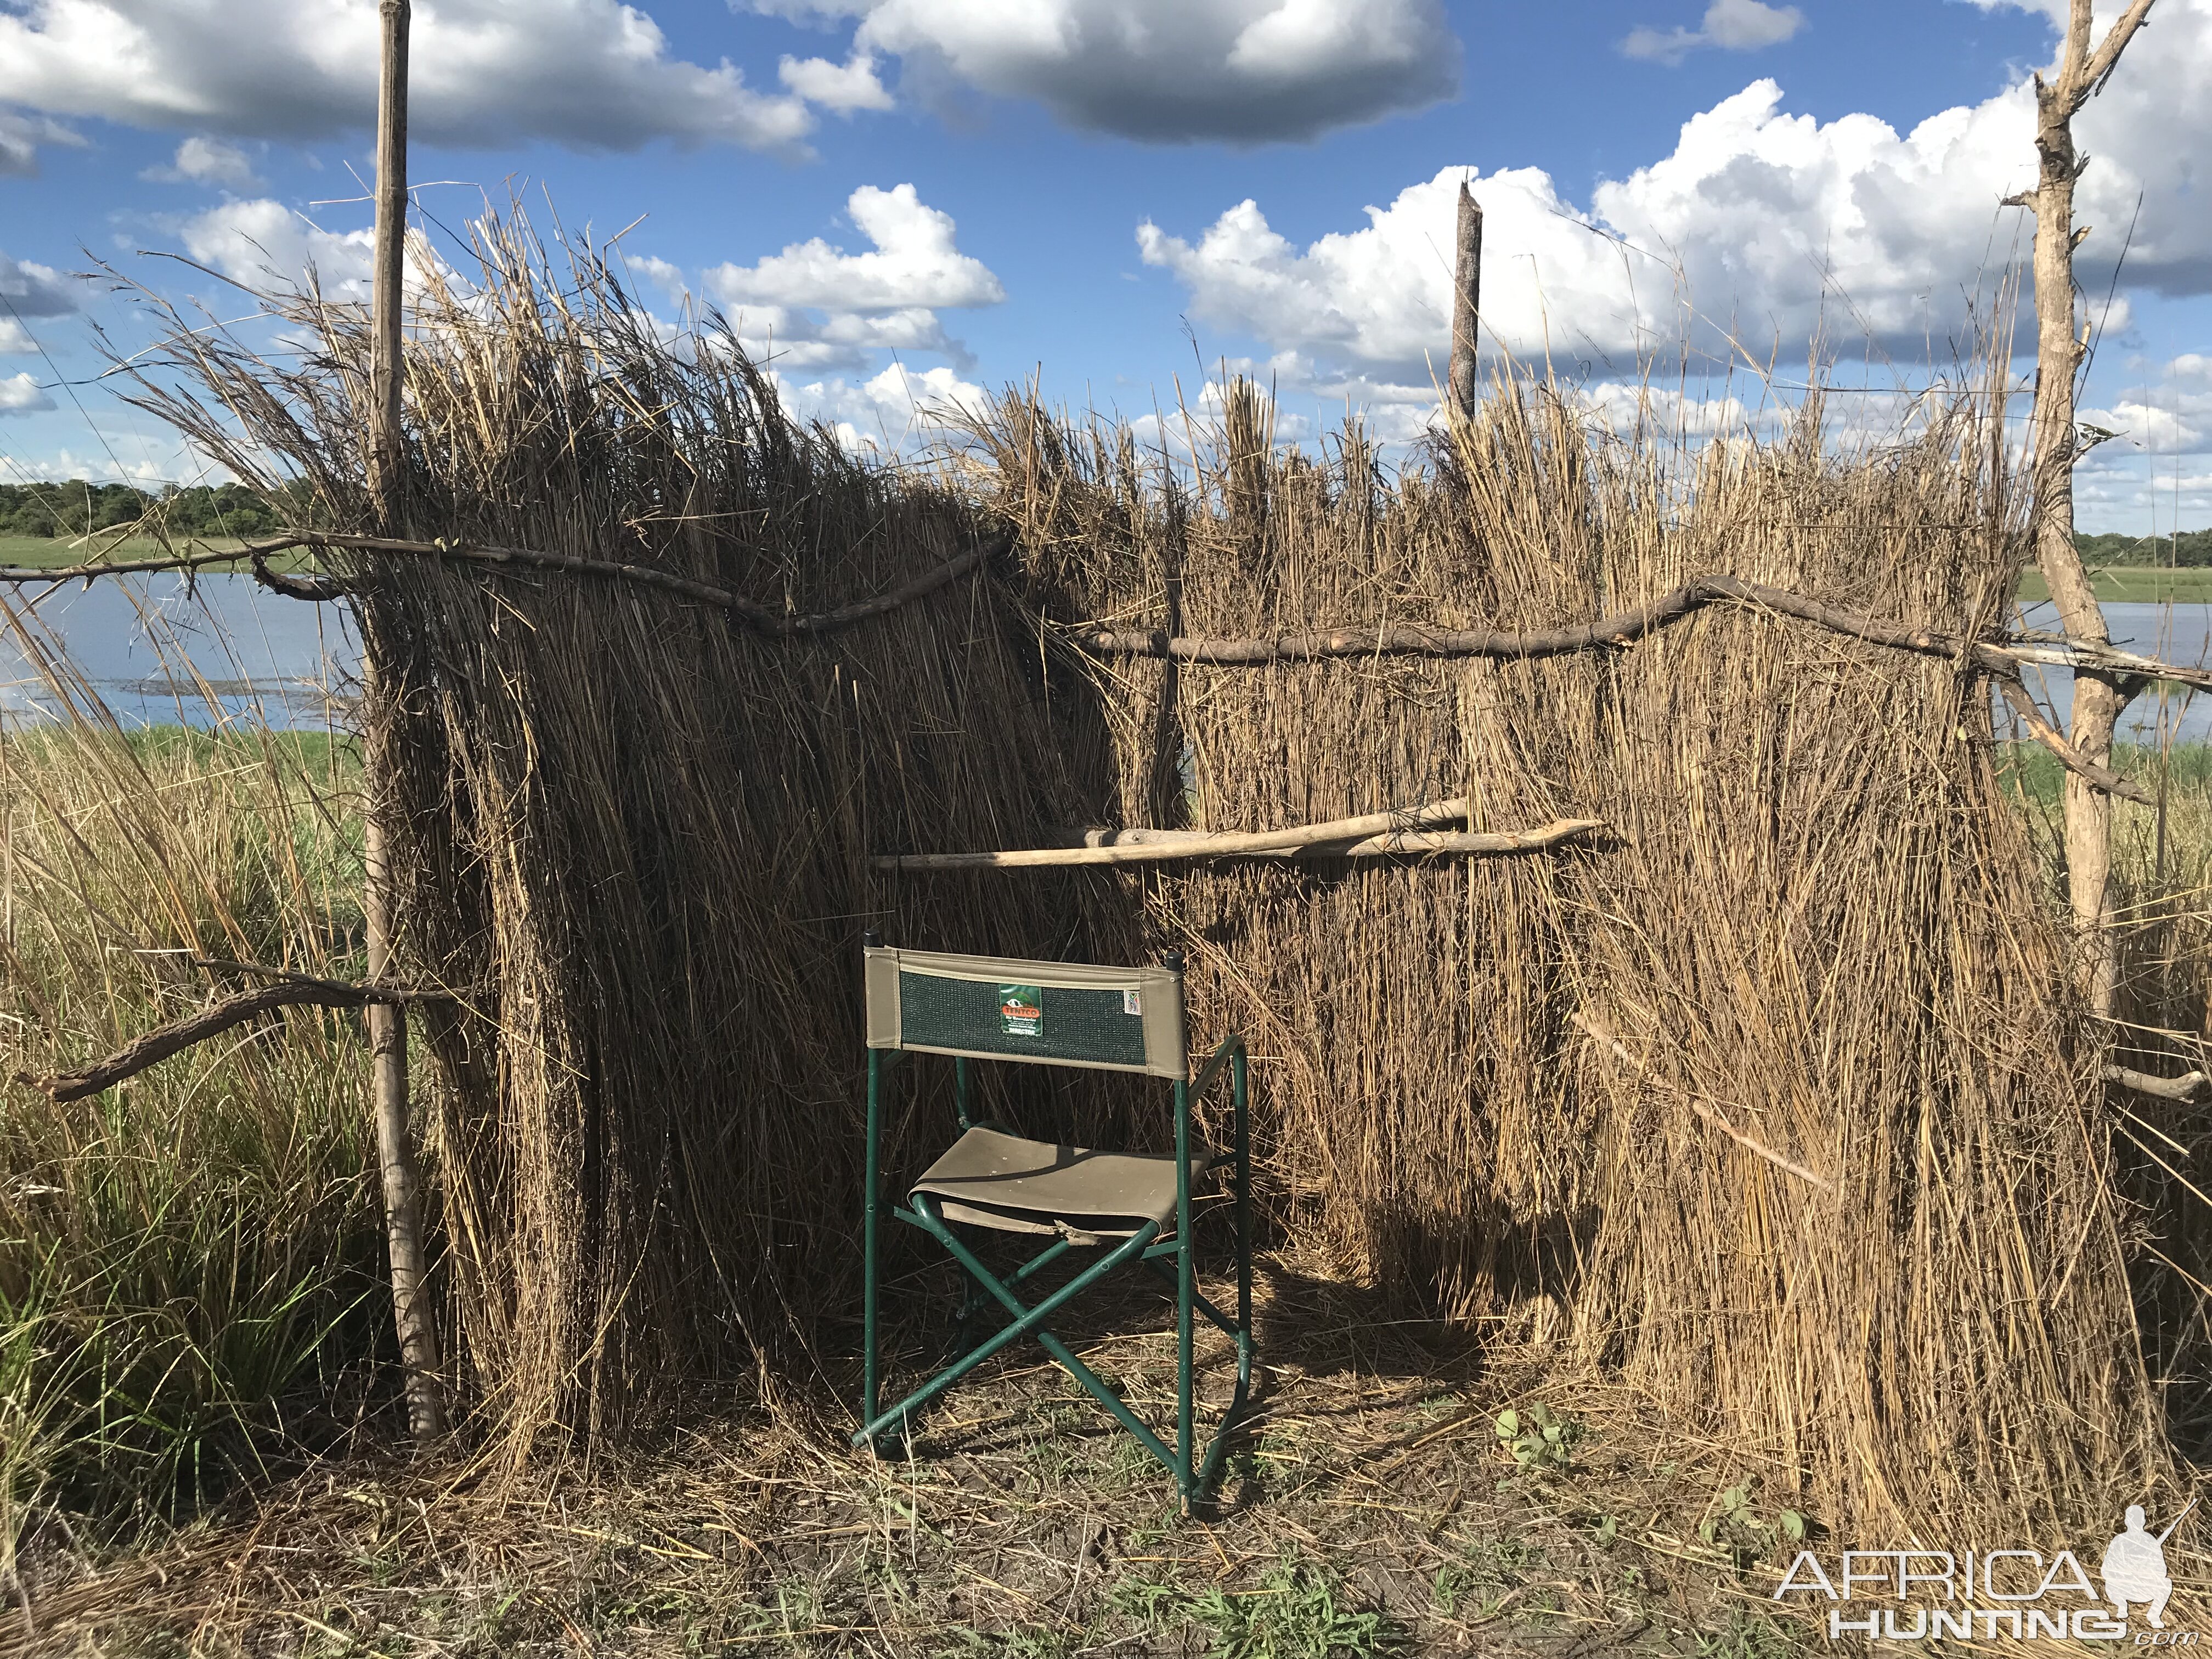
<point x="637" y="840"/>
<point x="1818" y="923"/>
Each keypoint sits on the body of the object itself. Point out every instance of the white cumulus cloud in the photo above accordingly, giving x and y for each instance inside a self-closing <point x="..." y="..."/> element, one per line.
<point x="260" y="241"/>
<point x="1761" y="227"/>
<point x="890" y="411"/>
<point x="204" y="160"/>
<point x="592" y="74"/>
<point x="814" y="305"/>
<point x="1375" y="298"/>
<point x="915" y="262"/>
<point x="842" y="87"/>
<point x="20" y="394"/>
<point x="1169" y="70"/>
<point x="30" y="290"/>
<point x="1732" y="25"/>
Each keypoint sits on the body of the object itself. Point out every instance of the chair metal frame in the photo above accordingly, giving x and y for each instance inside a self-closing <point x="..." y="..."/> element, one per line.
<point x="1194" y="1475"/>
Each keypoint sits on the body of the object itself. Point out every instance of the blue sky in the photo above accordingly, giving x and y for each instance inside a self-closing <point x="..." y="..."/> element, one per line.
<point x="980" y="190"/>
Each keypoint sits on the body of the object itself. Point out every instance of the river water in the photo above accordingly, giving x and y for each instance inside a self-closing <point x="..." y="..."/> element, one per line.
<point x="160" y="651"/>
<point x="2178" y="634"/>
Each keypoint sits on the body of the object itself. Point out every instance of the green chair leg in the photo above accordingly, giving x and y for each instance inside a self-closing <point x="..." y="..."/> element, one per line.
<point x="1186" y="1290"/>
<point x="870" y="1376"/>
<point x="1026" y="1320"/>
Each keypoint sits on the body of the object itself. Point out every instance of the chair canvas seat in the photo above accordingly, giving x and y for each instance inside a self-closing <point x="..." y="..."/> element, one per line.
<point x="992" y="1179"/>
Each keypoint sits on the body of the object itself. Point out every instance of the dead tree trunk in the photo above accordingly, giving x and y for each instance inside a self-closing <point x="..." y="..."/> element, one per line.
<point x="2061" y="346"/>
<point x="387" y="1022"/>
<point x="1467" y="303"/>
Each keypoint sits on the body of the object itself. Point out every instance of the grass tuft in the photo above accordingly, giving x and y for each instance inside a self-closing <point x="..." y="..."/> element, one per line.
<point x="189" y="1262"/>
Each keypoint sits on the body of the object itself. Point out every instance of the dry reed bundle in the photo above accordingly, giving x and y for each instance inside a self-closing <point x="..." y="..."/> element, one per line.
<point x="1772" y="1106"/>
<point x="636" y="833"/>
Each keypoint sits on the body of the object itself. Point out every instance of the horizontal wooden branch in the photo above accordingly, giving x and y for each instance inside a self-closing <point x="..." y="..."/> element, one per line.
<point x="1624" y="628"/>
<point x="1412" y="843"/>
<point x="761" y="618"/>
<point x="1369" y="824"/>
<point x="159" y="1044"/>
<point x="2185" y="1087"/>
<point x="1415" y="639"/>
<point x="1309" y="840"/>
<point x="69" y="573"/>
<point x="1751" y="1143"/>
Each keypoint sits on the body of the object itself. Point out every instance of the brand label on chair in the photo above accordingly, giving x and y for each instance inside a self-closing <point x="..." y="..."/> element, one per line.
<point x="1132" y="1001"/>
<point x="1021" y="1011"/>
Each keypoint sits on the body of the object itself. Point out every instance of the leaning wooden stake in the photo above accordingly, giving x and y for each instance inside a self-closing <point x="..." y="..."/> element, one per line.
<point x="387" y="1022"/>
<point x="1467" y="302"/>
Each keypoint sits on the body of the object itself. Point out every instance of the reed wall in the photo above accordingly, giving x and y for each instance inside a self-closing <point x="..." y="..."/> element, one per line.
<point x="635" y="837"/>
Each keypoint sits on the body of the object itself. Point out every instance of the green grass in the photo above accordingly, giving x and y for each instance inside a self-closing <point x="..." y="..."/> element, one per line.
<point x="42" y="553"/>
<point x="189" y="1262"/>
<point x="2186" y="768"/>
<point x="2133" y="584"/>
<point x="1300" y="1609"/>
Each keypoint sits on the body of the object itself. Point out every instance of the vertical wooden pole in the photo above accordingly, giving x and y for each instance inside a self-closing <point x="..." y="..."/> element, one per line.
<point x="386" y="454"/>
<point x="1467" y="303"/>
<point x="2086" y="812"/>
<point x="387" y="1024"/>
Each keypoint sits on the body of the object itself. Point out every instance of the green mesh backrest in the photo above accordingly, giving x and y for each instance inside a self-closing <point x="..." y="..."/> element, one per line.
<point x="1055" y="1013"/>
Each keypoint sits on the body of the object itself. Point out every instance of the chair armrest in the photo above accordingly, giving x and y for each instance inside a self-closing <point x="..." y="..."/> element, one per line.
<point x="1212" y="1069"/>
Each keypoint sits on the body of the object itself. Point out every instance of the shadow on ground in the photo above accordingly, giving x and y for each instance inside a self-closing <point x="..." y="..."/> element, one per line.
<point x="1369" y="1507"/>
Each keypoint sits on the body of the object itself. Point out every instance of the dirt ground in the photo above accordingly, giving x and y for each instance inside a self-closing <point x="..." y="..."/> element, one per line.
<point x="1371" y="1506"/>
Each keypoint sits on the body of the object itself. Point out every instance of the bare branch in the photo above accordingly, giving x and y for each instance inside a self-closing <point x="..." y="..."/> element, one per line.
<point x="2074" y="761"/>
<point x="1621" y="628"/>
<point x="2073" y="54"/>
<point x="2107" y="58"/>
<point x="2185" y="1087"/>
<point x="1624" y="628"/>
<point x="70" y="572"/>
<point x="312" y="588"/>
<point x="1381" y="835"/>
<point x="162" y="1042"/>
<point x="760" y="617"/>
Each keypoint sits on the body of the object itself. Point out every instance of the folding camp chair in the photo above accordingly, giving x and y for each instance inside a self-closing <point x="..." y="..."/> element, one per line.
<point x="1135" y="1207"/>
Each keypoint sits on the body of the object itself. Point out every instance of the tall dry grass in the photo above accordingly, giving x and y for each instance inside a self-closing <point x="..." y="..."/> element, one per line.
<point x="634" y="836"/>
<point x="1817" y="922"/>
<point x="189" y="1262"/>
<point x="2163" y="879"/>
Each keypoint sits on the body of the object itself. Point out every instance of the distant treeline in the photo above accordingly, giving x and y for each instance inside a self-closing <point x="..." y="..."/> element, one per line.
<point x="2190" y="547"/>
<point x="75" y="508"/>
